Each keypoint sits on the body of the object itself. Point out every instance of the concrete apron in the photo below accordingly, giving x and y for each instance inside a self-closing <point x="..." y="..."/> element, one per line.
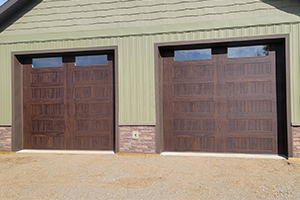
<point x="200" y="154"/>
<point x="78" y="152"/>
<point x="225" y="155"/>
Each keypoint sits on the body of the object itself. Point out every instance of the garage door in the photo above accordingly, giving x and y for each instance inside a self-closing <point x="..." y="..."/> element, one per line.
<point x="69" y="103"/>
<point x="223" y="101"/>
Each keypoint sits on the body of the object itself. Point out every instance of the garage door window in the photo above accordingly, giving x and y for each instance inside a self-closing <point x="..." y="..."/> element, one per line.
<point x="195" y="54"/>
<point x="91" y="60"/>
<point x="47" y="62"/>
<point x="248" y="51"/>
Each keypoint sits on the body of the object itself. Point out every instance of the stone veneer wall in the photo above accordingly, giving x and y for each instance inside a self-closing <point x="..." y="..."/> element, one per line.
<point x="5" y="138"/>
<point x="296" y="142"/>
<point x="145" y="143"/>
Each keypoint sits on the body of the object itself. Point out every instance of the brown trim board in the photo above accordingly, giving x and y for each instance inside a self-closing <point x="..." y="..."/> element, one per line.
<point x="17" y="87"/>
<point x="211" y="43"/>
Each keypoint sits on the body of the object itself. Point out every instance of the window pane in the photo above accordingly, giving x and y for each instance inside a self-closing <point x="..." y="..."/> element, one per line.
<point x="249" y="51"/>
<point x="47" y="62"/>
<point x="197" y="54"/>
<point x="91" y="60"/>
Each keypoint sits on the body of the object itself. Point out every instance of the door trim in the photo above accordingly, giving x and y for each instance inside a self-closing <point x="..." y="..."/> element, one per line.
<point x="17" y="58"/>
<point x="210" y="43"/>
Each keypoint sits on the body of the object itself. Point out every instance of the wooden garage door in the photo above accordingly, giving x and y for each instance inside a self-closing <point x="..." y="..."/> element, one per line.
<point x="69" y="106"/>
<point x="220" y="104"/>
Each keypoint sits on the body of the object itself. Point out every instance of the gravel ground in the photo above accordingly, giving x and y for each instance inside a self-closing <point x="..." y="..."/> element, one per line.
<point x="44" y="176"/>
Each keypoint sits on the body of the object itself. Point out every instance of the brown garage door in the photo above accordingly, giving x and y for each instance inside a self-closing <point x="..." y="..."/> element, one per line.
<point x="221" y="104"/>
<point x="69" y="106"/>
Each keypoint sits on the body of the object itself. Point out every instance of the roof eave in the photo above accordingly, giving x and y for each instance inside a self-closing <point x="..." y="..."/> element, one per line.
<point x="11" y="7"/>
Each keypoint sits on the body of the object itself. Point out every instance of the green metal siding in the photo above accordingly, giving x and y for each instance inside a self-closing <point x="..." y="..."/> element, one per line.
<point x="73" y="15"/>
<point x="136" y="44"/>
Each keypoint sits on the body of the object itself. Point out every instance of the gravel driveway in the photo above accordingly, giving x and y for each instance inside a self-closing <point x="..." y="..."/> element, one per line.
<point x="44" y="176"/>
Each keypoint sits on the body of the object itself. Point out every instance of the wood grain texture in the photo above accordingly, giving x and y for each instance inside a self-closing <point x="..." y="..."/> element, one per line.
<point x="224" y="104"/>
<point x="69" y="107"/>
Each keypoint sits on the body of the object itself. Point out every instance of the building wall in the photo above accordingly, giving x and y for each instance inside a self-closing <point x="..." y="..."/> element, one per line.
<point x="136" y="65"/>
<point x="135" y="26"/>
<point x="115" y="14"/>
<point x="296" y="143"/>
<point x="145" y="143"/>
<point x="5" y="138"/>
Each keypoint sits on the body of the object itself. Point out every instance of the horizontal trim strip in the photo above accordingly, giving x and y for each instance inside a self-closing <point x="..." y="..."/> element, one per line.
<point x="137" y="124"/>
<point x="5" y="125"/>
<point x="225" y="155"/>
<point x="295" y="124"/>
<point x="65" y="151"/>
<point x="148" y="30"/>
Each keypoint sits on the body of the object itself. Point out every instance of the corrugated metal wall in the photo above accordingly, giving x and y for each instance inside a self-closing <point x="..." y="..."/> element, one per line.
<point x="136" y="66"/>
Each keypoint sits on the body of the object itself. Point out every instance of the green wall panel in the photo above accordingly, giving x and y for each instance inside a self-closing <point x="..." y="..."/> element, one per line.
<point x="135" y="41"/>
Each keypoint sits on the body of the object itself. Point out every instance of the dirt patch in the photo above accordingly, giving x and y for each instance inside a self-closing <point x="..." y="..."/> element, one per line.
<point x="36" y="176"/>
<point x="130" y="183"/>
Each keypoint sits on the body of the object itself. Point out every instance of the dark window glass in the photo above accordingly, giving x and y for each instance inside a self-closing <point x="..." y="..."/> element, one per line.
<point x="196" y="54"/>
<point x="91" y="60"/>
<point x="47" y="62"/>
<point x="248" y="51"/>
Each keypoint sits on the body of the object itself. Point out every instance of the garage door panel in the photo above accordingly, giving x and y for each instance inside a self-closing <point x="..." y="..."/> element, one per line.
<point x="193" y="89"/>
<point x="89" y="75"/>
<point x="254" y="145"/>
<point x="239" y="94"/>
<point x="92" y="143"/>
<point x="247" y="69"/>
<point x="47" y="142"/>
<point x="92" y="125"/>
<point x="71" y="107"/>
<point x="193" y="107"/>
<point x="47" y="110"/>
<point x="48" y="125"/>
<point x="195" y="144"/>
<point x="46" y="76"/>
<point x="92" y="92"/>
<point x="47" y="93"/>
<point x="248" y="87"/>
<point x="250" y="106"/>
<point x="250" y="125"/>
<point x="194" y="124"/>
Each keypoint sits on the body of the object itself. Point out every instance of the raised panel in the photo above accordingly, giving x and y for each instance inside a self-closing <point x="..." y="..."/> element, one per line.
<point x="250" y="144"/>
<point x="47" y="93"/>
<point x="194" y="125"/>
<point x="47" y="142"/>
<point x="48" y="125"/>
<point x="249" y="106"/>
<point x="257" y="87"/>
<point x="194" y="107"/>
<point x="195" y="143"/>
<point x="96" y="92"/>
<point x="250" y="125"/>
<point x="92" y="125"/>
<point x="243" y="69"/>
<point x="193" y="89"/>
<point x="47" y="109"/>
<point x="91" y="143"/>
<point x="192" y="71"/>
<point x="92" y="109"/>
<point x="43" y="77"/>
<point x="102" y="75"/>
